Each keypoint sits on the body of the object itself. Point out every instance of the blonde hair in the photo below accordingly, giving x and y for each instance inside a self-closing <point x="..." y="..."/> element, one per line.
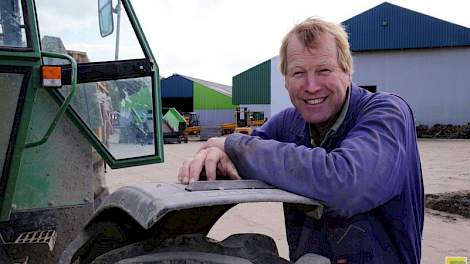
<point x="308" y="32"/>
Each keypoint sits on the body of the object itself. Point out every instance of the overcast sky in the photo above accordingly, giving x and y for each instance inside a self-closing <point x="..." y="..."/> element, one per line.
<point x="217" y="39"/>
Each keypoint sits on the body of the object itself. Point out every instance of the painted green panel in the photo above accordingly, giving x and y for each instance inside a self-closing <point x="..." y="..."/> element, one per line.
<point x="206" y="98"/>
<point x="31" y="60"/>
<point x="58" y="172"/>
<point x="253" y="86"/>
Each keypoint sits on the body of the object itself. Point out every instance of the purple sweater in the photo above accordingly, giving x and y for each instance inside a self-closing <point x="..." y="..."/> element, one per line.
<point x="367" y="174"/>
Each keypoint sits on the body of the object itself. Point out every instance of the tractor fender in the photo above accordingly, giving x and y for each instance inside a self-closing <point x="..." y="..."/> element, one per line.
<point x="149" y="203"/>
<point x="162" y="211"/>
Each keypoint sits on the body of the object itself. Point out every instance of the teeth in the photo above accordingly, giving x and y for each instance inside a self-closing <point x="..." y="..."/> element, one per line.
<point x="315" y="101"/>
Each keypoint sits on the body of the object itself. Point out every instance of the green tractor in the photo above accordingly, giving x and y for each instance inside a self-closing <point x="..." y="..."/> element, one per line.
<point x="79" y="87"/>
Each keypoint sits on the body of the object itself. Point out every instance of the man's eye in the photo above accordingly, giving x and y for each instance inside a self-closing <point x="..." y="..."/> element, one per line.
<point x="298" y="73"/>
<point x="325" y="70"/>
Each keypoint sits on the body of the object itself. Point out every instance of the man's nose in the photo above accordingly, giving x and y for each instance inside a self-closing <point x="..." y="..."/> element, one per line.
<point x="312" y="84"/>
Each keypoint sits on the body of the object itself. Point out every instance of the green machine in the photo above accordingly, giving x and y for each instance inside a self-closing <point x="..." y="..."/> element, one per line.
<point x="66" y="77"/>
<point x="79" y="91"/>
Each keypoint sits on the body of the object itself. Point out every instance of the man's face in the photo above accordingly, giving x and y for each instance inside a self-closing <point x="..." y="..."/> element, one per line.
<point x="316" y="83"/>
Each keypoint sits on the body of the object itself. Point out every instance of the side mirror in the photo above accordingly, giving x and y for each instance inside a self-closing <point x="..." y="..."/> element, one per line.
<point x="105" y="14"/>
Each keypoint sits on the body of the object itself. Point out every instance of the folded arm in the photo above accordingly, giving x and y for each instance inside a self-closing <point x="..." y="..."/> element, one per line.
<point x="360" y="174"/>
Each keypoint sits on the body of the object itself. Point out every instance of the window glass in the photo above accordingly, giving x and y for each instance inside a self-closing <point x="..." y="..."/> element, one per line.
<point x="12" y="27"/>
<point x="120" y="113"/>
<point x="10" y="84"/>
<point x="74" y="26"/>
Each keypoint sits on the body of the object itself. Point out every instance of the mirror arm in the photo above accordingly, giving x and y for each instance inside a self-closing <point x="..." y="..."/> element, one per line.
<point x="117" y="10"/>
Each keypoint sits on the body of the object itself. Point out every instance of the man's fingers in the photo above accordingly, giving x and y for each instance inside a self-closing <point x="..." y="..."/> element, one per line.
<point x="207" y="161"/>
<point x="231" y="171"/>
<point x="196" y="165"/>
<point x="183" y="174"/>
<point x="229" y="168"/>
<point x="212" y="159"/>
<point x="226" y="168"/>
<point x="180" y="177"/>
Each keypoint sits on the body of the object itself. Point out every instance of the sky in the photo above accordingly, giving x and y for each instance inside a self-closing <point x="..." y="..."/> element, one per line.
<point x="215" y="40"/>
<point x="76" y="24"/>
<point x="212" y="40"/>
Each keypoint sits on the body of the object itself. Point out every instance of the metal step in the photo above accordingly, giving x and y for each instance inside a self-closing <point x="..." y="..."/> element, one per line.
<point x="47" y="237"/>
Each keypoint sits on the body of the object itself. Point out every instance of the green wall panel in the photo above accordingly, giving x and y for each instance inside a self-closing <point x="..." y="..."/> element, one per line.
<point x="253" y="86"/>
<point x="206" y="98"/>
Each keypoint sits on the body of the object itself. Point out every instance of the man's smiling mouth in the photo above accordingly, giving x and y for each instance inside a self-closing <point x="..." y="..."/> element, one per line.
<point x="315" y="101"/>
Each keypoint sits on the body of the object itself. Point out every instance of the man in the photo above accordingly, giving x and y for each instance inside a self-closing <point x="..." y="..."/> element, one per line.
<point x="353" y="150"/>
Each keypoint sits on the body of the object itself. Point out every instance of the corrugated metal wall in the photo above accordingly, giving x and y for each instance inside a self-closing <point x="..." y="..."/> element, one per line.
<point x="206" y="98"/>
<point x="214" y="118"/>
<point x="279" y="96"/>
<point x="253" y="85"/>
<point x="176" y="86"/>
<point x="435" y="82"/>
<point x="213" y="108"/>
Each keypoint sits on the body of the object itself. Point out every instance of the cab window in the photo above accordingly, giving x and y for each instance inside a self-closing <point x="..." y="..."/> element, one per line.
<point x="77" y="25"/>
<point x="12" y="25"/>
<point x="11" y="83"/>
<point x="115" y="97"/>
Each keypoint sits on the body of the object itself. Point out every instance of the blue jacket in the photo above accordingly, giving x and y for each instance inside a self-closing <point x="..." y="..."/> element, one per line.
<point x="368" y="175"/>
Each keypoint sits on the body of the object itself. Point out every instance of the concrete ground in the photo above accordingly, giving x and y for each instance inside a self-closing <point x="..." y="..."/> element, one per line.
<point x="446" y="168"/>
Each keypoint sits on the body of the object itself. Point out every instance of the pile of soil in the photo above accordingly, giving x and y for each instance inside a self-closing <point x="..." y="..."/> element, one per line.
<point x="454" y="203"/>
<point x="443" y="131"/>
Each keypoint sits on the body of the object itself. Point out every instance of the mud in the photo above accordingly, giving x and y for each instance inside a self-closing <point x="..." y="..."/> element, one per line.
<point x="443" y="131"/>
<point x="454" y="203"/>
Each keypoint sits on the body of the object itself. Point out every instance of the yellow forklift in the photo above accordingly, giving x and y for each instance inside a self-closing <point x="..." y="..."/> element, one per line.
<point x="192" y="123"/>
<point x="247" y="120"/>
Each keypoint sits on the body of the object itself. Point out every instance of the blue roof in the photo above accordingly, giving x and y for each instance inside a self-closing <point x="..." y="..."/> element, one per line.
<point x="388" y="26"/>
<point x="176" y="86"/>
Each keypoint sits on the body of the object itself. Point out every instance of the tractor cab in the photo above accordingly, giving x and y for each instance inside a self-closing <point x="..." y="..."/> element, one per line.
<point x="78" y="88"/>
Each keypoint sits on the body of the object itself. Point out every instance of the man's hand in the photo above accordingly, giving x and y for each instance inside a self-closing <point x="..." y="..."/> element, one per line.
<point x="217" y="142"/>
<point x="211" y="161"/>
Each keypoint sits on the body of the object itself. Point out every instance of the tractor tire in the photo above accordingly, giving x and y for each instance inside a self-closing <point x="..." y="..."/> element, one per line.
<point x="197" y="248"/>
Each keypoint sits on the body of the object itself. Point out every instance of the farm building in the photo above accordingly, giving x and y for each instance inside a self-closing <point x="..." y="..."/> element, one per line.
<point x="211" y="101"/>
<point x="423" y="59"/>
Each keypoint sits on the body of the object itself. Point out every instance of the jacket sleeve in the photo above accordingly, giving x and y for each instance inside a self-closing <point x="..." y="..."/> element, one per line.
<point x="362" y="173"/>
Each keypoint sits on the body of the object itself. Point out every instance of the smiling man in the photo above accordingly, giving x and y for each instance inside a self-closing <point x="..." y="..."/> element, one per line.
<point x="351" y="149"/>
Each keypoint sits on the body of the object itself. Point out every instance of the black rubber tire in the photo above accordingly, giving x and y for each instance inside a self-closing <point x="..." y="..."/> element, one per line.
<point x="94" y="241"/>
<point x="197" y="248"/>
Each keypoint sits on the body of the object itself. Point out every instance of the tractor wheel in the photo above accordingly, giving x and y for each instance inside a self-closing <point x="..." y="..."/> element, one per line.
<point x="197" y="248"/>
